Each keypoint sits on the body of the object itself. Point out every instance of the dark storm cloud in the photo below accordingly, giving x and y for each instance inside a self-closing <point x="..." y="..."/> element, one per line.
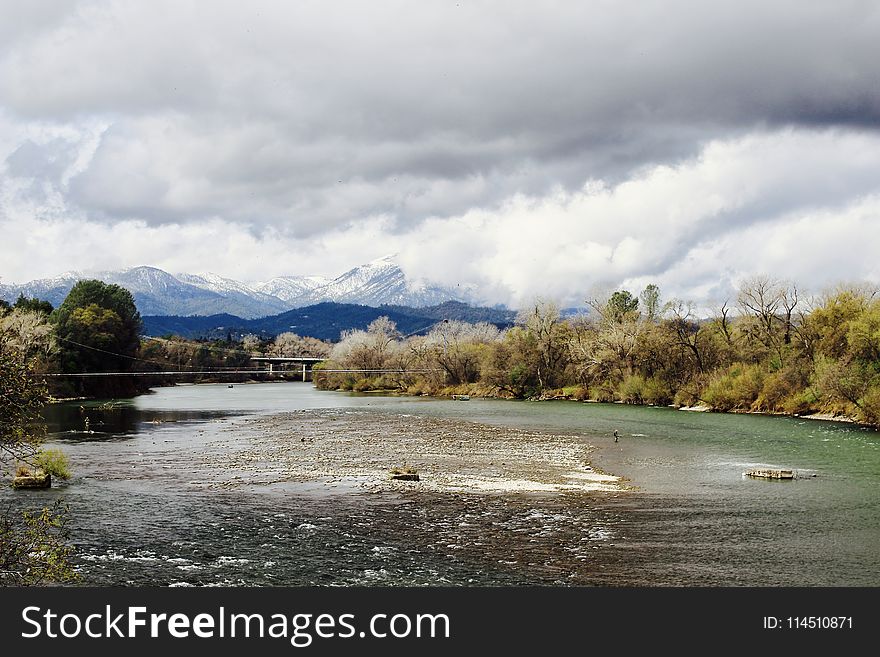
<point x="316" y="114"/>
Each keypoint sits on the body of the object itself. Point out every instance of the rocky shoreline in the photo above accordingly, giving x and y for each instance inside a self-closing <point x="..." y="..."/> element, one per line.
<point x="359" y="449"/>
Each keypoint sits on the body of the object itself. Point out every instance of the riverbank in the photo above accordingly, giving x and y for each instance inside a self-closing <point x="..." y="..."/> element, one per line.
<point x="825" y="417"/>
<point x="483" y="392"/>
<point x="354" y="448"/>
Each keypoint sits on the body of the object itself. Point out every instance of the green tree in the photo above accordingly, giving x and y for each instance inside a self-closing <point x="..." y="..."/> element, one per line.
<point x="650" y="298"/>
<point x="512" y="363"/>
<point x="34" y="305"/>
<point x="621" y="305"/>
<point x="828" y="324"/>
<point x="98" y="326"/>
<point x="863" y="336"/>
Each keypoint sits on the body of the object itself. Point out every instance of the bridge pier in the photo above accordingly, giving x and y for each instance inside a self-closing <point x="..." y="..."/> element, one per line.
<point x="283" y="361"/>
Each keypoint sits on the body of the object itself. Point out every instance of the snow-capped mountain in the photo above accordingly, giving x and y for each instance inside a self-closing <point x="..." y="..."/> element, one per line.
<point x="379" y="282"/>
<point x="375" y="283"/>
<point x="49" y="289"/>
<point x="292" y="289"/>
<point x="245" y="296"/>
<point x="157" y="292"/>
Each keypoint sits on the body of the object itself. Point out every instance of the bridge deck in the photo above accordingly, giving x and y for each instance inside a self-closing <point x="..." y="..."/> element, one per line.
<point x="287" y="359"/>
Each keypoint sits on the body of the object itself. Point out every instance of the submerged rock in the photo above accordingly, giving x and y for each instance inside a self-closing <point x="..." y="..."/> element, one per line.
<point x="770" y="473"/>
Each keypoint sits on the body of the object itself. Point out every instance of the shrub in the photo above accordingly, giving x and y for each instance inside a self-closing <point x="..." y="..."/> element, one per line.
<point x="782" y="386"/>
<point x="636" y="389"/>
<point x="773" y="392"/>
<point x="631" y="389"/>
<point x="688" y="394"/>
<point x="365" y="384"/>
<point x="737" y="387"/>
<point x="580" y="393"/>
<point x="656" y="391"/>
<point x="805" y="401"/>
<point x="418" y="388"/>
<point x="388" y="382"/>
<point x="869" y="405"/>
<point x="604" y="392"/>
<point x="53" y="462"/>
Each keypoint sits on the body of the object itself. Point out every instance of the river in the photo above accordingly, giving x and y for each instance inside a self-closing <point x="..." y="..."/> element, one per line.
<point x="686" y="516"/>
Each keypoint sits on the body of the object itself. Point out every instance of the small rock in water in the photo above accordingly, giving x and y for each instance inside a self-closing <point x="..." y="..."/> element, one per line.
<point x="37" y="480"/>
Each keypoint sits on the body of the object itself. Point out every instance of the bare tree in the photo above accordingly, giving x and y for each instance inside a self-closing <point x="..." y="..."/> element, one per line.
<point x="370" y="349"/>
<point x="761" y="299"/>
<point x="583" y="349"/>
<point x="28" y="333"/>
<point x="724" y="323"/>
<point x="685" y="329"/>
<point x="251" y="343"/>
<point x="286" y="345"/>
<point x="788" y="299"/>
<point x="456" y="347"/>
<point x="544" y="322"/>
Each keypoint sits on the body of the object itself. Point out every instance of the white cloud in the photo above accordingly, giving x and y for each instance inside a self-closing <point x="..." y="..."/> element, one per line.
<point x="779" y="203"/>
<point x="695" y="229"/>
<point x="527" y="151"/>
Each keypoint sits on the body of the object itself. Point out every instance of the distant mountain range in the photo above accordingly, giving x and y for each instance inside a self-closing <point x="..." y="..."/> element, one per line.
<point x="324" y="320"/>
<point x="156" y="292"/>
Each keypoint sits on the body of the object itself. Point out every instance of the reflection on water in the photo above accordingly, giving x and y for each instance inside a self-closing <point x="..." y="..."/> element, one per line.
<point x="139" y="517"/>
<point x="89" y="421"/>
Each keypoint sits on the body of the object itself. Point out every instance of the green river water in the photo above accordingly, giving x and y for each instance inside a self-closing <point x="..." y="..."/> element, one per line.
<point x="691" y="518"/>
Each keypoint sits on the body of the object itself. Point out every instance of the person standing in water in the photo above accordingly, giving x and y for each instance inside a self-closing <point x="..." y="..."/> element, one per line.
<point x="616" y="435"/>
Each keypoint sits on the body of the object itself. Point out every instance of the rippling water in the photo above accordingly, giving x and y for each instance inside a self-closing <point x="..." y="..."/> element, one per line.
<point x="139" y="517"/>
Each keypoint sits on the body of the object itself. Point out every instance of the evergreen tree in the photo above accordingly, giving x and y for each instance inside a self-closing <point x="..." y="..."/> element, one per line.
<point x="98" y="326"/>
<point x="34" y="305"/>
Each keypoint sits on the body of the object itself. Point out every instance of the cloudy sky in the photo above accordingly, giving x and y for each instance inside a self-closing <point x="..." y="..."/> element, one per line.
<point x="541" y="148"/>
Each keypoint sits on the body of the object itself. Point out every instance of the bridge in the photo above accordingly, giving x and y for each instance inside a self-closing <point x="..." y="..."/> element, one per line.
<point x="283" y="361"/>
<point x="275" y="365"/>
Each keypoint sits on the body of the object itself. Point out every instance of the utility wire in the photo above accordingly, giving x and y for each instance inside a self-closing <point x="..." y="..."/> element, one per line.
<point x="112" y="353"/>
<point x="198" y="346"/>
<point x="165" y="373"/>
<point x="429" y="326"/>
<point x="209" y="347"/>
<point x="190" y="373"/>
<point x="217" y="370"/>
